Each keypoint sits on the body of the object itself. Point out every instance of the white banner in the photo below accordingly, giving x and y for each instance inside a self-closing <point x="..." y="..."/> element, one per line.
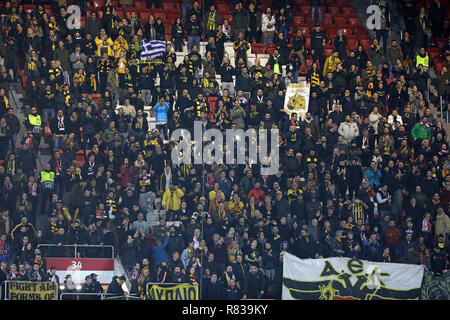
<point x="297" y="99"/>
<point x="349" y="279"/>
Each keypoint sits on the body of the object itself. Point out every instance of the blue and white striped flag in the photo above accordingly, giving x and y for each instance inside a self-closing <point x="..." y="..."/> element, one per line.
<point x="152" y="48"/>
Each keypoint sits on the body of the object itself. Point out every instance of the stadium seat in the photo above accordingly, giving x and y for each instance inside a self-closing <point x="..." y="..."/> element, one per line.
<point x="353" y="21"/>
<point x="258" y="48"/>
<point x="438" y="64"/>
<point x="128" y="12"/>
<point x="159" y="13"/>
<point x="347" y="10"/>
<point x="140" y="5"/>
<point x="270" y="48"/>
<point x="334" y="10"/>
<point x="143" y="16"/>
<point x="98" y="4"/>
<point x="305" y="10"/>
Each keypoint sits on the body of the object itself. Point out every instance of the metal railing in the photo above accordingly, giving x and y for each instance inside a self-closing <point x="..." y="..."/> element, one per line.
<point x="77" y="249"/>
<point x="77" y="295"/>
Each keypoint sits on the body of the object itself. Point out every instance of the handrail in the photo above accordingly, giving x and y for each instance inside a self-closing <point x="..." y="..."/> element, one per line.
<point x="76" y="246"/>
<point x="101" y="294"/>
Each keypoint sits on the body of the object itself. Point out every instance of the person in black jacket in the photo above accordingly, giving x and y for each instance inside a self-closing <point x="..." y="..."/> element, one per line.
<point x="115" y="287"/>
<point x="232" y="292"/>
<point x="89" y="287"/>
<point x="97" y="285"/>
<point x="138" y="286"/>
<point x="213" y="289"/>
<point x="177" y="31"/>
<point x="255" y="284"/>
<point x="318" y="39"/>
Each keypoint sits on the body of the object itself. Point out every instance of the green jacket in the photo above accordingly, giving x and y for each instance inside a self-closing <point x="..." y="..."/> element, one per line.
<point x="421" y="131"/>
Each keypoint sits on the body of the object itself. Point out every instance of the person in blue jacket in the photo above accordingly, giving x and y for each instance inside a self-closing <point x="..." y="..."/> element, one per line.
<point x="161" y="109"/>
<point x="159" y="251"/>
<point x="374" y="175"/>
<point x="372" y="250"/>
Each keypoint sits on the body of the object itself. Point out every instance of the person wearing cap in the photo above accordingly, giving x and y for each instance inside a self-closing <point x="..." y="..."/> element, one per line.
<point x="89" y="288"/>
<point x="438" y="262"/>
<point x="52" y="276"/>
<point x="318" y="40"/>
<point x="97" y="285"/>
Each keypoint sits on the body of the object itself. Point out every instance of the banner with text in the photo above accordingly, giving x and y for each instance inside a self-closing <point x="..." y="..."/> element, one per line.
<point x="297" y="99"/>
<point x="32" y="290"/>
<point x="183" y="291"/>
<point x="349" y="279"/>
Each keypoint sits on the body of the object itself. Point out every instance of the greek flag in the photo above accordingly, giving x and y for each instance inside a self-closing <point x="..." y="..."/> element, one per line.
<point x="152" y="48"/>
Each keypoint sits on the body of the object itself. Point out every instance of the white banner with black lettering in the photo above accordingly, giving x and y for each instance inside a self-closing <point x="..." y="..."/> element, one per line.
<point x="349" y="279"/>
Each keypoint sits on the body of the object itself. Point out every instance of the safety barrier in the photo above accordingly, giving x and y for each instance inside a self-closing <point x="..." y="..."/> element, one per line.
<point x="78" y="295"/>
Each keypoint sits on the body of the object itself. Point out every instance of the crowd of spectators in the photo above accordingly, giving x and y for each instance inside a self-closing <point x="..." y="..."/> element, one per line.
<point x="364" y="175"/>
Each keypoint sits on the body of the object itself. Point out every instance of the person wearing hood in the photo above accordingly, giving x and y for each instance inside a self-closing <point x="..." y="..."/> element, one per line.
<point x="115" y="287"/>
<point x="348" y="129"/>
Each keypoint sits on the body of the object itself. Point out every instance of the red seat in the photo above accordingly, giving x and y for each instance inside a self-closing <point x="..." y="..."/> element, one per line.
<point x="438" y="66"/>
<point x="139" y="5"/>
<point x="339" y="20"/>
<point x="29" y="7"/>
<point x="347" y="10"/>
<point x="128" y="12"/>
<point x="98" y="4"/>
<point x="270" y="48"/>
<point x="143" y="15"/>
<point x="326" y="20"/>
<point x="308" y="42"/>
<point x="258" y="48"/>
<point x="434" y="53"/>
<point x="221" y="7"/>
<point x="309" y="63"/>
<point x="353" y="21"/>
<point x="298" y="20"/>
<point x="328" y="51"/>
<point x="352" y="43"/>
<point x="334" y="10"/>
<point x="168" y="5"/>
<point x="305" y="10"/>
<point x="332" y="32"/>
<point x="159" y="13"/>
<point x="120" y="14"/>
<point x="365" y="42"/>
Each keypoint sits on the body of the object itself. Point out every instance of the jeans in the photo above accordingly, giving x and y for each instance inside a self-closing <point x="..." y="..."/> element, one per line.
<point x="146" y="96"/>
<point x="58" y="140"/>
<point x="47" y="114"/>
<point x="184" y="10"/>
<point x="150" y="3"/>
<point x="383" y="34"/>
<point x="267" y="40"/>
<point x="315" y="9"/>
<point x="193" y="41"/>
<point x="230" y="87"/>
<point x="163" y="130"/>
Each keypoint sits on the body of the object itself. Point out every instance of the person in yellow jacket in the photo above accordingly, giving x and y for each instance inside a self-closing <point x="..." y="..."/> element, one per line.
<point x="104" y="43"/>
<point x="331" y="63"/>
<point x="120" y="44"/>
<point x="171" y="201"/>
<point x="235" y="206"/>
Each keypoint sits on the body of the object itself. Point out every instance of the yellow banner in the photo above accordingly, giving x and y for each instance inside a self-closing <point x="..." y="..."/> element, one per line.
<point x="297" y="99"/>
<point x="32" y="290"/>
<point x="173" y="292"/>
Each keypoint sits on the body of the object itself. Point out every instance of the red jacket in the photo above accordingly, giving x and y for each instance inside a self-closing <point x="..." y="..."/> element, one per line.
<point x="258" y="194"/>
<point x="392" y="236"/>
